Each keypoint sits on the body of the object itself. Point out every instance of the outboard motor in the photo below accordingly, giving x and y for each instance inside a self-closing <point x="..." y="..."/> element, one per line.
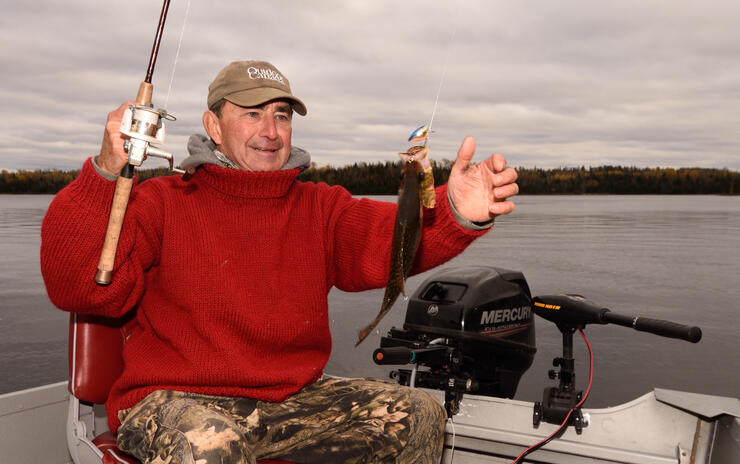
<point x="472" y="328"/>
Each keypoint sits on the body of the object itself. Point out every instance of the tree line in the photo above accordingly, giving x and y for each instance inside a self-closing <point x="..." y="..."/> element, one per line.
<point x="384" y="178"/>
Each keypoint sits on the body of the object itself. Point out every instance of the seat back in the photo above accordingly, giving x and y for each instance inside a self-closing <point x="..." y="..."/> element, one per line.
<point x="96" y="355"/>
<point x="95" y="362"/>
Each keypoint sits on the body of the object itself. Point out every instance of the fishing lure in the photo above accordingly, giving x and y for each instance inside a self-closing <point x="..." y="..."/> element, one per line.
<point x="420" y="134"/>
<point x="416" y="190"/>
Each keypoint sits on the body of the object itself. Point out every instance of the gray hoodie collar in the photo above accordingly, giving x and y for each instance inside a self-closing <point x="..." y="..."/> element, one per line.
<point x="203" y="151"/>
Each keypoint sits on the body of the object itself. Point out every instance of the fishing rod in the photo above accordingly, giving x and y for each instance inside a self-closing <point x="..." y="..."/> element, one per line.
<point x="144" y="127"/>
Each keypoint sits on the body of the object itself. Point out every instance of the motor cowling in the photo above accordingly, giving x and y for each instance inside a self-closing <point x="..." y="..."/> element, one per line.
<point x="472" y="327"/>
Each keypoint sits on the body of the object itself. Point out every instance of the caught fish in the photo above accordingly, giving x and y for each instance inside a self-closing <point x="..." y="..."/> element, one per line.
<point x="416" y="190"/>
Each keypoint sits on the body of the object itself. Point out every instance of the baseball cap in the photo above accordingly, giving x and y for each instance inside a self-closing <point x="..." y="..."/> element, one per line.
<point x="252" y="83"/>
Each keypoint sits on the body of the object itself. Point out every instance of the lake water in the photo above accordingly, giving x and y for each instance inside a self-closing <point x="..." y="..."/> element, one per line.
<point x="671" y="257"/>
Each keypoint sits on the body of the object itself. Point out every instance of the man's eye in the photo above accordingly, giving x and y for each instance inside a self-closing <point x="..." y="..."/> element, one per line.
<point x="253" y="114"/>
<point x="283" y="117"/>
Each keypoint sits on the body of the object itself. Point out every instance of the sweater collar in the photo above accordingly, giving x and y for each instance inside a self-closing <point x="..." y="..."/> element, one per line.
<point x="246" y="184"/>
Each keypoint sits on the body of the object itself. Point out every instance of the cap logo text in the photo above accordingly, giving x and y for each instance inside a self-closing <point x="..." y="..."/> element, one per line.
<point x="259" y="73"/>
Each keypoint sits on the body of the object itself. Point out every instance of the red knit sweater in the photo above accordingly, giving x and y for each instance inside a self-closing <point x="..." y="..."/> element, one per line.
<point x="229" y="274"/>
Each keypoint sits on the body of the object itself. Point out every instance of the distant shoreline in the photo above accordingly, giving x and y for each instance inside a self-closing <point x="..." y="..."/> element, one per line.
<point x="383" y="179"/>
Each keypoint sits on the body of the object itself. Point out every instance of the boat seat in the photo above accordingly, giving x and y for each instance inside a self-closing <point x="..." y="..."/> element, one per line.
<point x="95" y="362"/>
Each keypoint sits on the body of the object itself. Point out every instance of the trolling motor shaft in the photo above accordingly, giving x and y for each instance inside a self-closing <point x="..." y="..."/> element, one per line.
<point x="145" y="128"/>
<point x="558" y="401"/>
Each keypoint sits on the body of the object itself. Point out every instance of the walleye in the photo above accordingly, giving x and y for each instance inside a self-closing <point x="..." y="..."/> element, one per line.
<point x="416" y="190"/>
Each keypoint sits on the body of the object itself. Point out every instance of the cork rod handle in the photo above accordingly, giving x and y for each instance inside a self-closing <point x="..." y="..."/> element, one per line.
<point x="104" y="276"/>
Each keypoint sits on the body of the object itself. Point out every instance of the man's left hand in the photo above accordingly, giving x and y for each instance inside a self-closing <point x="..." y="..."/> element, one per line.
<point x="480" y="192"/>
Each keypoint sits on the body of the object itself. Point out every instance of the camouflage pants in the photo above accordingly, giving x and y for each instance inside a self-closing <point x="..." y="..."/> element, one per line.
<point x="331" y="421"/>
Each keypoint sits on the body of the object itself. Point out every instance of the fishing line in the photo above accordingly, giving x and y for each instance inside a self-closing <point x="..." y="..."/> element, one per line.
<point x="444" y="73"/>
<point x="177" y="54"/>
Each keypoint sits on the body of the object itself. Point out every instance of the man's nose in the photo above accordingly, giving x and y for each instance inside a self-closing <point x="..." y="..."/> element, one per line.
<point x="268" y="128"/>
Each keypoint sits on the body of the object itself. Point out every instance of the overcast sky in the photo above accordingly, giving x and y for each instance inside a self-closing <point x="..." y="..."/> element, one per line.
<point x="547" y="83"/>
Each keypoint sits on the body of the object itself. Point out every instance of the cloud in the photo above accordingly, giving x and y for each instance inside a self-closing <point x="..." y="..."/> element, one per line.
<point x="546" y="83"/>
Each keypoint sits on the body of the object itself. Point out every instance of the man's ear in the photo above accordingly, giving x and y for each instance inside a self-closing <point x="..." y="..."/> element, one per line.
<point x="212" y="125"/>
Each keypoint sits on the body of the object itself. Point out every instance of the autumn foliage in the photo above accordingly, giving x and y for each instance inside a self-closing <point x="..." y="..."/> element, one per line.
<point x="383" y="179"/>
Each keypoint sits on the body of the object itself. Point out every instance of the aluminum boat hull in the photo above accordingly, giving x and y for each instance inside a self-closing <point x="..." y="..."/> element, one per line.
<point x="660" y="427"/>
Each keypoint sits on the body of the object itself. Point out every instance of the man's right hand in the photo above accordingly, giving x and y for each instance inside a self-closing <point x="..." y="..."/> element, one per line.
<point x="113" y="157"/>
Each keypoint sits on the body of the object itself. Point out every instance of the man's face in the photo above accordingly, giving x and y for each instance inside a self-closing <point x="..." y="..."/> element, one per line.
<point x="255" y="138"/>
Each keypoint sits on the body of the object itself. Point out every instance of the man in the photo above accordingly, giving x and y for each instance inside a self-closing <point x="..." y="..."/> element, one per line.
<point x="229" y="270"/>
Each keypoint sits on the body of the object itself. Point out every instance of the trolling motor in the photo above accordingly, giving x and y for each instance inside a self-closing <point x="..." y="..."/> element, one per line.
<point x="471" y="330"/>
<point x="574" y="312"/>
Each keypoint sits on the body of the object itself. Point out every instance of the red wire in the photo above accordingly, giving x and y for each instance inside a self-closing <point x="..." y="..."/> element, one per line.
<point x="590" y="368"/>
<point x="567" y="416"/>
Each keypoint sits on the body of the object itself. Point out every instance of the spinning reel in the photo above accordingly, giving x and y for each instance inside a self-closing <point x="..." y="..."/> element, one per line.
<point x="145" y="127"/>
